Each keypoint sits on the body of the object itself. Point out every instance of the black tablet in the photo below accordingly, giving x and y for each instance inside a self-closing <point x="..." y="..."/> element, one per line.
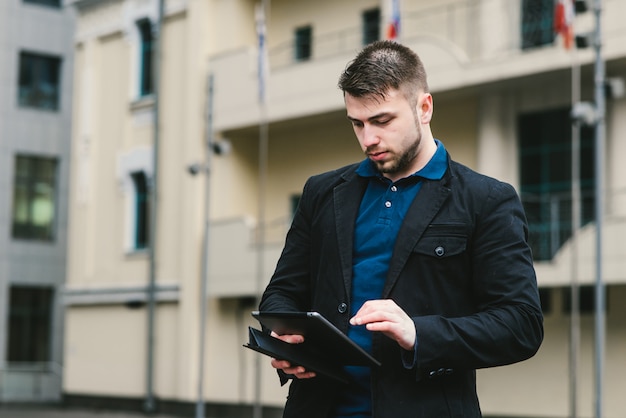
<point x="319" y="334"/>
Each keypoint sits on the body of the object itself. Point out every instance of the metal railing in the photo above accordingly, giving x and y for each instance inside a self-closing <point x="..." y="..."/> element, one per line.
<point x="31" y="382"/>
<point x="550" y="218"/>
<point x="453" y="24"/>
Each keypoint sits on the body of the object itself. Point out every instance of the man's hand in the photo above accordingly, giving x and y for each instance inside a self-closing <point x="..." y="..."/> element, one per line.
<point x="297" y="371"/>
<point x="387" y="317"/>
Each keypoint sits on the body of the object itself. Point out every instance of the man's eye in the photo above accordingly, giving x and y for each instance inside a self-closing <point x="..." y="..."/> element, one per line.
<point x="357" y="124"/>
<point x="383" y="121"/>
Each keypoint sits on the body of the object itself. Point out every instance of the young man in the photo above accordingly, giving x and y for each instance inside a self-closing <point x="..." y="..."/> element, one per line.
<point x="420" y="260"/>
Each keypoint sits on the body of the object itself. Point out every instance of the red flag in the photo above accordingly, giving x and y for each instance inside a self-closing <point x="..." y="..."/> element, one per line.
<point x="564" y="21"/>
<point x="393" y="28"/>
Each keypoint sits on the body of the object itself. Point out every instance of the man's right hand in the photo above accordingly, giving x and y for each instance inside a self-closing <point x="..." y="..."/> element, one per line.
<point x="298" y="371"/>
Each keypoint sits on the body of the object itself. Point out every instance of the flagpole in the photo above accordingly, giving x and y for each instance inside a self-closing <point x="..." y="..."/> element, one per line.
<point x="576" y="222"/>
<point x="564" y="19"/>
<point x="600" y="323"/>
<point x="261" y="21"/>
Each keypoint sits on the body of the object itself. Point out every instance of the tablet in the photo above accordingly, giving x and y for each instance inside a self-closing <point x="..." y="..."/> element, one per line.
<point x="296" y="354"/>
<point x="319" y="334"/>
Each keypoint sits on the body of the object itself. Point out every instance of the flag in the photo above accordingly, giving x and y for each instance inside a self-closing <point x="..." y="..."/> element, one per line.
<point x="393" y="27"/>
<point x="262" y="60"/>
<point x="564" y="21"/>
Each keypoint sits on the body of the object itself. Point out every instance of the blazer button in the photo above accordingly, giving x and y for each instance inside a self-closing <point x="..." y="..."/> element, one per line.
<point x="342" y="308"/>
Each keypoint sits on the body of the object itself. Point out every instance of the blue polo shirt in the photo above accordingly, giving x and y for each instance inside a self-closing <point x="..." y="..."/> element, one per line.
<point x="381" y="213"/>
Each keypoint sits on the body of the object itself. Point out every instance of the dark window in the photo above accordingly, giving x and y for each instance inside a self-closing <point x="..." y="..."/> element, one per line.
<point x="295" y="201"/>
<point x="146" y="53"/>
<point x="30" y="322"/>
<point x="51" y="3"/>
<point x="545" y="296"/>
<point x="303" y="46"/>
<point x="142" y="207"/>
<point x="34" y="197"/>
<point x="586" y="299"/>
<point x="537" y="23"/>
<point x="371" y="25"/>
<point x="545" y="140"/>
<point x="39" y="81"/>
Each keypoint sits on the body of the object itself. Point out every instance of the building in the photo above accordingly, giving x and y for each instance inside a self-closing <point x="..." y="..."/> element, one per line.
<point x="36" y="62"/>
<point x="503" y="93"/>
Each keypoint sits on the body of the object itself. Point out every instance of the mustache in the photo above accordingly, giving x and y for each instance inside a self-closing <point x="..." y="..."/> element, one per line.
<point x="374" y="150"/>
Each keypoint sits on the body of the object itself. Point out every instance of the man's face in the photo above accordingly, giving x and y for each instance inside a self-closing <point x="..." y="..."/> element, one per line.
<point x="390" y="130"/>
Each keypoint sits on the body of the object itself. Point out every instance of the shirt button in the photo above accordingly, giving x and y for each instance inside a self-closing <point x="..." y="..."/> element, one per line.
<point x="388" y="204"/>
<point x="394" y="189"/>
<point x="440" y="251"/>
<point x="342" y="308"/>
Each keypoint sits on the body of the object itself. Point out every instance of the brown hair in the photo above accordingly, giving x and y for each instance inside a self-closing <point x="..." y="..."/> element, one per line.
<point x="381" y="66"/>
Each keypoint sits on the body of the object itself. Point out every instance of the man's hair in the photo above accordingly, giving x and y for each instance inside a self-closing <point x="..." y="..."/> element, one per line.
<point x="382" y="66"/>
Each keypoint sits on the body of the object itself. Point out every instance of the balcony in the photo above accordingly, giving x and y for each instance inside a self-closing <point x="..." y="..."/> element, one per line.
<point x="233" y="259"/>
<point x="234" y="247"/>
<point x="31" y="382"/>
<point x="462" y="44"/>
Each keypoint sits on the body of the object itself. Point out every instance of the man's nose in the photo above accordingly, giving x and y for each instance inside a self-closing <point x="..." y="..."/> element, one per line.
<point x="370" y="136"/>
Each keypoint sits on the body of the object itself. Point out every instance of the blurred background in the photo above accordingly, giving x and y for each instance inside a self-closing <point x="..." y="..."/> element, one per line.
<point x="153" y="153"/>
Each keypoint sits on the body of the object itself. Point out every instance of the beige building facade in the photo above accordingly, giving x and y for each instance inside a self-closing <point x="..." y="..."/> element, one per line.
<point x="502" y="90"/>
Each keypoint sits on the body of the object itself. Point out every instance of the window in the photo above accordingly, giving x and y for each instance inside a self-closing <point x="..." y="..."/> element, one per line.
<point x="145" y="57"/>
<point x="51" y="3"/>
<point x="303" y="44"/>
<point x="546" y="178"/>
<point x="135" y="172"/>
<point x="295" y="201"/>
<point x="371" y="25"/>
<point x="34" y="198"/>
<point x="30" y="322"/>
<point x="537" y="23"/>
<point x="39" y="81"/>
<point x="545" y="297"/>
<point x="141" y="209"/>
<point x="586" y="299"/>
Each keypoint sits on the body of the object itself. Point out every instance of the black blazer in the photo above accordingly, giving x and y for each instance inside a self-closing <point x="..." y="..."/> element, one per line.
<point x="461" y="268"/>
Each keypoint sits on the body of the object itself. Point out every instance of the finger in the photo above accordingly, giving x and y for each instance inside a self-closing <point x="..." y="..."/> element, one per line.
<point x="305" y="375"/>
<point x="289" y="338"/>
<point x="299" y="372"/>
<point x="378" y="311"/>
<point x="280" y="364"/>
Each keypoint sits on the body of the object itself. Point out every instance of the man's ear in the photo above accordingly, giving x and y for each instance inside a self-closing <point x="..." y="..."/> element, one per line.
<point x="425" y="108"/>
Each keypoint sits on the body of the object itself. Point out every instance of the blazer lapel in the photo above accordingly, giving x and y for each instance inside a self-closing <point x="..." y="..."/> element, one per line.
<point x="347" y="199"/>
<point x="420" y="214"/>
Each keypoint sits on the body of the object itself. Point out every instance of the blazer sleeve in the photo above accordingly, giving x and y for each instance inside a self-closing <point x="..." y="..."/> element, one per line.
<point x="289" y="288"/>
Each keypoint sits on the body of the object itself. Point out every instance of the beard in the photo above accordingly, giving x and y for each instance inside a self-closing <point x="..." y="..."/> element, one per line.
<point x="400" y="162"/>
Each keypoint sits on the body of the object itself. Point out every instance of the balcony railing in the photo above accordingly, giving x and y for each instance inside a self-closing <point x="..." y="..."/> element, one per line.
<point x="452" y="24"/>
<point x="550" y="218"/>
<point x="31" y="382"/>
<point x="235" y="248"/>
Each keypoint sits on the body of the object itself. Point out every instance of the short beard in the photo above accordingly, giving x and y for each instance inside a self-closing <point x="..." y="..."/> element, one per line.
<point x="404" y="160"/>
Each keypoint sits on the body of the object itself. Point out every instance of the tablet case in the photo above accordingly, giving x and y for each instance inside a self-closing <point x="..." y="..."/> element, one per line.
<point x="325" y="349"/>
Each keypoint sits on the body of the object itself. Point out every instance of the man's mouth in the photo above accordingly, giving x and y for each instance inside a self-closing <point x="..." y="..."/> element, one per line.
<point x="377" y="156"/>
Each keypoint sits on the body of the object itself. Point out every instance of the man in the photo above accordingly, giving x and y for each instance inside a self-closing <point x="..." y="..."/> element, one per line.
<point x="420" y="260"/>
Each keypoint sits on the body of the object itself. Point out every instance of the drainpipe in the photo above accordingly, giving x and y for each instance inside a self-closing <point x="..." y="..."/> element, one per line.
<point x="149" y="403"/>
<point x="600" y="303"/>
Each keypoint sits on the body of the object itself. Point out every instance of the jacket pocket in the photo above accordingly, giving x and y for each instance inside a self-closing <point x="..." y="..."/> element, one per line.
<point x="443" y="240"/>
